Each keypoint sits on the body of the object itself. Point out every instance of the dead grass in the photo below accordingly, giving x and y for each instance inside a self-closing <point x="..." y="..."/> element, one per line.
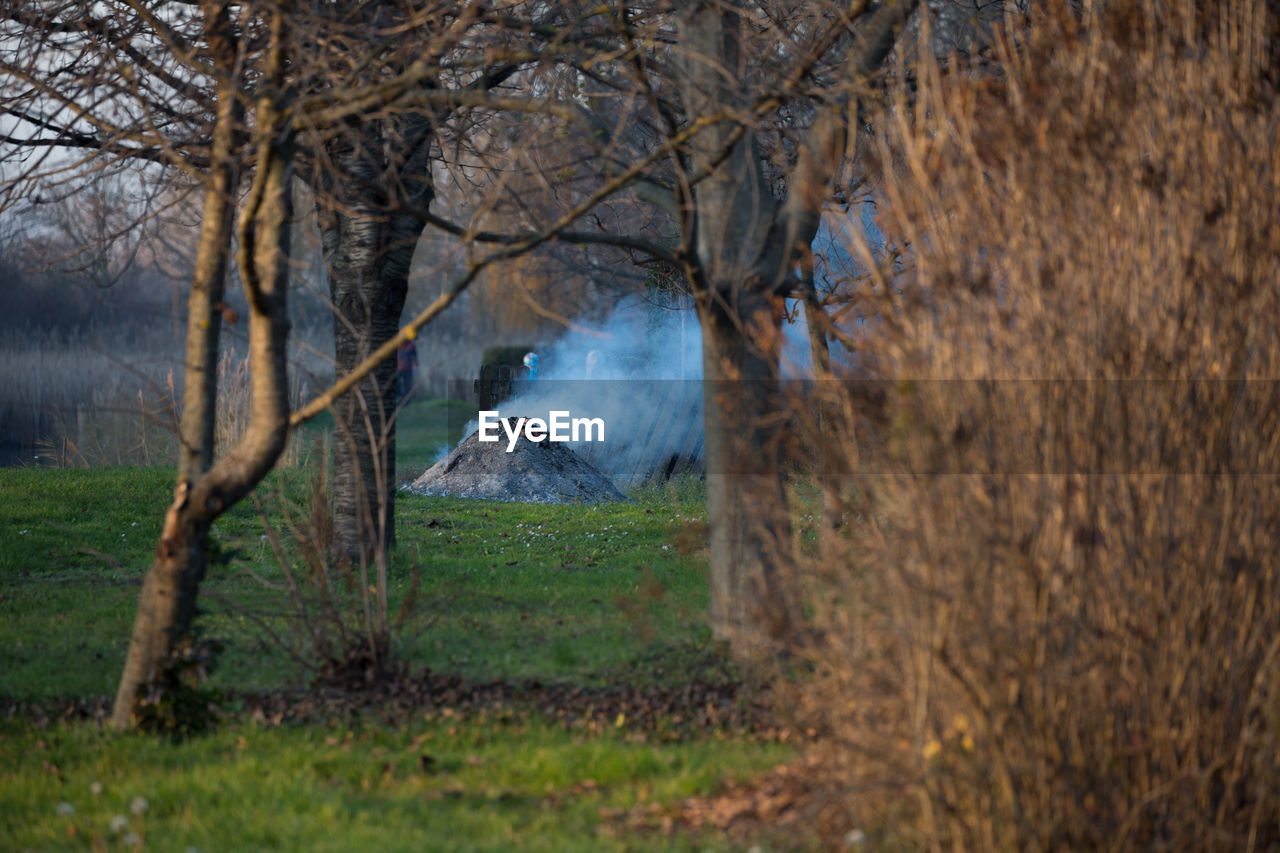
<point x="90" y="394"/>
<point x="235" y="394"/>
<point x="111" y="395"/>
<point x="1055" y="618"/>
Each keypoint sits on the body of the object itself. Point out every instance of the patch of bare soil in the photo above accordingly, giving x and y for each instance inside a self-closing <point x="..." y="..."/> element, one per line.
<point x="541" y="472"/>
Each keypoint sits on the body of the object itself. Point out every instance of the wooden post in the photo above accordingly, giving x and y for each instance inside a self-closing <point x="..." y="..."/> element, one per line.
<point x="81" y="419"/>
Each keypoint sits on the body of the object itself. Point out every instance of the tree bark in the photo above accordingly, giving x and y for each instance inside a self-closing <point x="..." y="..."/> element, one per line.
<point x="166" y="605"/>
<point x="754" y="600"/>
<point x="742" y="245"/>
<point x="208" y="277"/>
<point x="368" y="237"/>
<point x="739" y="266"/>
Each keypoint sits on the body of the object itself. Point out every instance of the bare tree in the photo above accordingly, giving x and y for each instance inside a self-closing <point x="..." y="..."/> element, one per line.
<point x="167" y="603"/>
<point x="686" y="117"/>
<point x="138" y="85"/>
<point x="220" y="91"/>
<point x="733" y="120"/>
<point x="741" y="244"/>
<point x="371" y="181"/>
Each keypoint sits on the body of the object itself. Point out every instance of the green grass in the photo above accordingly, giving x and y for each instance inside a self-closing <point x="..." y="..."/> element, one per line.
<point x="506" y="590"/>
<point x="552" y="591"/>
<point x="582" y="595"/>
<point x="74" y="545"/>
<point x="485" y="784"/>
<point x="423" y="428"/>
<point x="90" y="524"/>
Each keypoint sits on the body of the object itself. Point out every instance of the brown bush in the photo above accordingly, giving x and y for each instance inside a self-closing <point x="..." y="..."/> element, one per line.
<point x="1055" y="609"/>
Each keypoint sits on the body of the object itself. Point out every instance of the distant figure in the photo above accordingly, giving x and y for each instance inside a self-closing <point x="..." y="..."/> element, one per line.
<point x="531" y="362"/>
<point x="406" y="370"/>
<point x="593" y="364"/>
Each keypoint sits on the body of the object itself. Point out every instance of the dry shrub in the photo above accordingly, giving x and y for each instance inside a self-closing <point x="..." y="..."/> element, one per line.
<point x="1054" y="620"/>
<point x="334" y="621"/>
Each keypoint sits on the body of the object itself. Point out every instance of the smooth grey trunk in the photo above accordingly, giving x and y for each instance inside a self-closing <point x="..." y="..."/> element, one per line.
<point x="368" y="262"/>
<point x="166" y="605"/>
<point x="369" y="211"/>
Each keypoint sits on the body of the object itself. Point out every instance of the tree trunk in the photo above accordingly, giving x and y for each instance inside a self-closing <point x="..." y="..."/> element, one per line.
<point x="208" y="285"/>
<point x="368" y="263"/>
<point x="754" y="596"/>
<point x="368" y="246"/>
<point x="745" y="242"/>
<point x="739" y="266"/>
<point x="204" y="324"/>
<point x="819" y="348"/>
<point x="166" y="605"/>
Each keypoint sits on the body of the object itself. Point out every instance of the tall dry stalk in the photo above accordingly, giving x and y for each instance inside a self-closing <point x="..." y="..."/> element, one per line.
<point x="107" y="394"/>
<point x="333" y="620"/>
<point x="75" y="394"/>
<point x="235" y="403"/>
<point x="1057" y="601"/>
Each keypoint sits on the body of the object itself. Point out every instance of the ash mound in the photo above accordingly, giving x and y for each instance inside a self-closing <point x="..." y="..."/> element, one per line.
<point x="544" y="472"/>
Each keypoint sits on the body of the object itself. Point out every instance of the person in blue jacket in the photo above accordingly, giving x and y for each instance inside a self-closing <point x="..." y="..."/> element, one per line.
<point x="406" y="370"/>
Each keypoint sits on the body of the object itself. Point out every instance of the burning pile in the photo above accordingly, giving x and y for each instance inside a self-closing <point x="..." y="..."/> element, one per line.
<point x="541" y="472"/>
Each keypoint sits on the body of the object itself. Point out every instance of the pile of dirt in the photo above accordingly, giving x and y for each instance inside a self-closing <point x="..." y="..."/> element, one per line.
<point x="542" y="472"/>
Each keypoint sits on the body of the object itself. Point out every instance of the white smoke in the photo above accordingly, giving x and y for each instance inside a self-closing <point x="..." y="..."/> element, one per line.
<point x="637" y="341"/>
<point x="640" y="371"/>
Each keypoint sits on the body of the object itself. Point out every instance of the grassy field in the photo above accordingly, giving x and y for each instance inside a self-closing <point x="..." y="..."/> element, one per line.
<point x="577" y="599"/>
